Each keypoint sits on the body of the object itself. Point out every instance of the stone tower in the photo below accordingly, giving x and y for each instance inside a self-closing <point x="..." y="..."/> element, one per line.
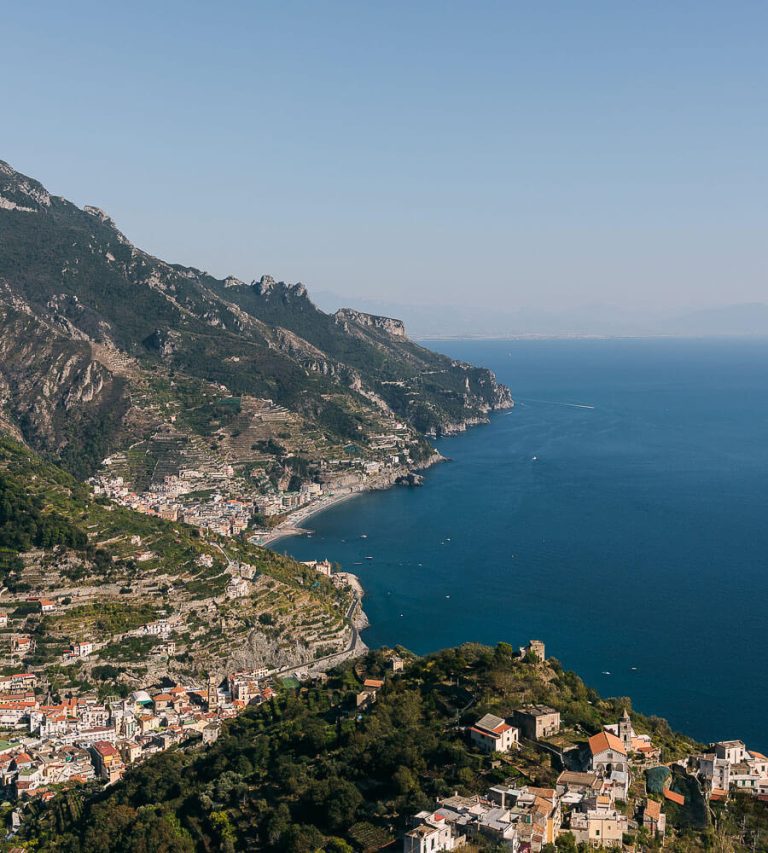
<point x="625" y="731"/>
<point x="213" y="693"/>
<point x="536" y="650"/>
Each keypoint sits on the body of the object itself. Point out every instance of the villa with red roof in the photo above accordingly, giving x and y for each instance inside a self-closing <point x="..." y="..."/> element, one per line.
<point x="493" y="734"/>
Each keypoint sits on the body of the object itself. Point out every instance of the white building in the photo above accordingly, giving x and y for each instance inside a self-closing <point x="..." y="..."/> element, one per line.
<point x="608" y="758"/>
<point x="493" y="734"/>
<point x="432" y="833"/>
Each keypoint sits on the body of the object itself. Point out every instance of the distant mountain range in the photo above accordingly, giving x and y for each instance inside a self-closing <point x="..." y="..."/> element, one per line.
<point x="447" y="321"/>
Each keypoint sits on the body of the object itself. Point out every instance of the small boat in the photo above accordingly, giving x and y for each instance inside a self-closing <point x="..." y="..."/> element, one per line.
<point x="534" y="458"/>
<point x="605" y="672"/>
<point x="369" y="558"/>
<point x="363" y="535"/>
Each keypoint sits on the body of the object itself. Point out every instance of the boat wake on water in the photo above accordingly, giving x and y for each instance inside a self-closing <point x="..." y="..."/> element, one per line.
<point x="559" y="403"/>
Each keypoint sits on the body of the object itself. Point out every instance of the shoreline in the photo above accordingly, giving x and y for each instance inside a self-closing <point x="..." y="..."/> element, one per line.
<point x="292" y="526"/>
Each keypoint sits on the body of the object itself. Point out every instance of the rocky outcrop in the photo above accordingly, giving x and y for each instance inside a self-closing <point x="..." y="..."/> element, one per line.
<point x="410" y="479"/>
<point x="395" y="328"/>
<point x="267" y="286"/>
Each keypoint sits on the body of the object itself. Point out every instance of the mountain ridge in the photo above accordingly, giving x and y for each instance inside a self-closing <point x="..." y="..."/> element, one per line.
<point x="104" y="344"/>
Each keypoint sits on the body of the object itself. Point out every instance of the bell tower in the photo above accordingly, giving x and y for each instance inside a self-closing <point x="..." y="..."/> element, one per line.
<point x="213" y="693"/>
<point x="625" y="731"/>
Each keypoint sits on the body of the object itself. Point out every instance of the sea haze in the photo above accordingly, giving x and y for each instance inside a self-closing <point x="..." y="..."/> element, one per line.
<point x="618" y="513"/>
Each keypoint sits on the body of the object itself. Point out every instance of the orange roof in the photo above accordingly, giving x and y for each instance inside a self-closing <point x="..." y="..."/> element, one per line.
<point x="653" y="809"/>
<point x="546" y="793"/>
<point x="162" y="697"/>
<point x="674" y="797"/>
<point x="718" y="794"/>
<point x="22" y="758"/>
<point x="605" y="740"/>
<point x="756" y="754"/>
<point x="373" y="682"/>
<point x="482" y="732"/>
<point x="104" y="747"/>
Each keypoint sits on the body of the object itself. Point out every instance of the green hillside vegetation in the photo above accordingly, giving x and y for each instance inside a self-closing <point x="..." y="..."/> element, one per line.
<point x="114" y="570"/>
<point x="99" y="341"/>
<point x="43" y="507"/>
<point x="306" y="771"/>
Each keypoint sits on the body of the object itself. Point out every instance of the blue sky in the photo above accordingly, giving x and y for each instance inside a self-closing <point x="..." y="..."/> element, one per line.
<point x="549" y="154"/>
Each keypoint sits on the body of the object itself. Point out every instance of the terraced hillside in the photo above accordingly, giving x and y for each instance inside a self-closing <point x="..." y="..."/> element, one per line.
<point x="153" y="598"/>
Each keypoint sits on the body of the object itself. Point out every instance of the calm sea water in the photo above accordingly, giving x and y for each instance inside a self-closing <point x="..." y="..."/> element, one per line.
<point x="618" y="513"/>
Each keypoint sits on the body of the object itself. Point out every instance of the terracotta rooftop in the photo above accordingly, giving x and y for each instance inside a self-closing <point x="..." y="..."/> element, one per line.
<point x="674" y="797"/>
<point x="653" y="809"/>
<point x="605" y="740"/>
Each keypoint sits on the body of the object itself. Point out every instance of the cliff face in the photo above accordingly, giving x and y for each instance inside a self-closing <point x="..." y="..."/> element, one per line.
<point x="396" y="328"/>
<point x="99" y="338"/>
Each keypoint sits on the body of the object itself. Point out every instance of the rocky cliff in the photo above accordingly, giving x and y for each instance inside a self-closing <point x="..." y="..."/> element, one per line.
<point x="396" y="328"/>
<point x="102" y="344"/>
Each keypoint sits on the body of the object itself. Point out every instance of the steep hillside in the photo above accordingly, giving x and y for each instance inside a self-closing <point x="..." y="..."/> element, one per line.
<point x="311" y="771"/>
<point x="110" y="571"/>
<point x="102" y="345"/>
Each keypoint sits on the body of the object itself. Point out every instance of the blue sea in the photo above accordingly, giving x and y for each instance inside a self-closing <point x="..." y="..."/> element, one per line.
<point x="619" y="513"/>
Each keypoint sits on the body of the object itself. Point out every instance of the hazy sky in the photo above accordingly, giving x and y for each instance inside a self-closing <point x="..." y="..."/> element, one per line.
<point x="529" y="154"/>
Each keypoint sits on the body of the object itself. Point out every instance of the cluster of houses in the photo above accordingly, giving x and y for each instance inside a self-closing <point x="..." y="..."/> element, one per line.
<point x="587" y="800"/>
<point x="525" y="818"/>
<point x="81" y="738"/>
<point x="728" y="766"/>
<point x="218" y="499"/>
<point x="219" y="511"/>
<point x="593" y="798"/>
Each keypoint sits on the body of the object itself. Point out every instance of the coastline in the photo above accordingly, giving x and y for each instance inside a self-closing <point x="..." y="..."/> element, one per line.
<point x="292" y="525"/>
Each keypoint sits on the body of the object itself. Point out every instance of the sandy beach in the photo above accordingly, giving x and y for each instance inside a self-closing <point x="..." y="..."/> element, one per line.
<point x="291" y="526"/>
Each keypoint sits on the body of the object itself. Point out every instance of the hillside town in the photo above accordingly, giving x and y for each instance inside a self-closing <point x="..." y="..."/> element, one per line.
<point x="50" y="744"/>
<point x="217" y="496"/>
<point x="610" y="784"/>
